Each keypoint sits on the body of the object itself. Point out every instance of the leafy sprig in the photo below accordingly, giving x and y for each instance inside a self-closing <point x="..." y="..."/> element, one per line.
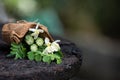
<point x="39" y="56"/>
<point x="17" y="50"/>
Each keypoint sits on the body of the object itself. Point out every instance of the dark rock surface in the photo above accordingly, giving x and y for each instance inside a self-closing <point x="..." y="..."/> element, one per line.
<point x="24" y="69"/>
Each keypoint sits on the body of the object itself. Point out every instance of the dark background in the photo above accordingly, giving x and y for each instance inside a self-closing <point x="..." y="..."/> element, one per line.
<point x="92" y="24"/>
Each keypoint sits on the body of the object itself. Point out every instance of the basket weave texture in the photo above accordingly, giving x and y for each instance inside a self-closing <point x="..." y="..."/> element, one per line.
<point x="15" y="32"/>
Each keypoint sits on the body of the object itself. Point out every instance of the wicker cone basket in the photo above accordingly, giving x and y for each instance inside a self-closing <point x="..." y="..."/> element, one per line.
<point x="14" y="32"/>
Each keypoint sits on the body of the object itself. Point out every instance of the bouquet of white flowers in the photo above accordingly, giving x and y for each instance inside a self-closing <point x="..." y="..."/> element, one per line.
<point x="33" y="42"/>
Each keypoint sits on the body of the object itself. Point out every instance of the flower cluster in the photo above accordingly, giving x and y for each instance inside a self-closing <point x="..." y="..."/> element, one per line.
<point x="51" y="47"/>
<point x="37" y="48"/>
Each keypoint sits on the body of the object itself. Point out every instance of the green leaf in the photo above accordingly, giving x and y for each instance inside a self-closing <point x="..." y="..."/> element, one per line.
<point x="13" y="52"/>
<point x="41" y="48"/>
<point x="46" y="59"/>
<point x="56" y="56"/>
<point x="31" y="55"/>
<point x="14" y="45"/>
<point x="52" y="57"/>
<point x="38" y="57"/>
<point x="14" y="49"/>
<point x="17" y="56"/>
<point x="59" y="61"/>
<point x="59" y="53"/>
<point x="22" y="51"/>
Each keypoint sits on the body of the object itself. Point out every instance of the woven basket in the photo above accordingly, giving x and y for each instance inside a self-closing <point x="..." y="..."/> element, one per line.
<point x="14" y="32"/>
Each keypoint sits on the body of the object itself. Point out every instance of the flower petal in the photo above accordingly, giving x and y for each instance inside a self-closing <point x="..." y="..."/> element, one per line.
<point x="57" y="41"/>
<point x="37" y="26"/>
<point x="56" y="45"/>
<point x="47" y="41"/>
<point x="31" y="29"/>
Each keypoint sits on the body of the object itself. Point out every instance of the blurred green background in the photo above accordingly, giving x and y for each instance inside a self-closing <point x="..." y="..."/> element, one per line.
<point x="92" y="24"/>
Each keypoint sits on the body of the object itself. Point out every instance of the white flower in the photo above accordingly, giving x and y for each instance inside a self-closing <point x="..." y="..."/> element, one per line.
<point x="55" y="46"/>
<point x="47" y="41"/>
<point x="51" y="47"/>
<point x="48" y="50"/>
<point x="36" y="31"/>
